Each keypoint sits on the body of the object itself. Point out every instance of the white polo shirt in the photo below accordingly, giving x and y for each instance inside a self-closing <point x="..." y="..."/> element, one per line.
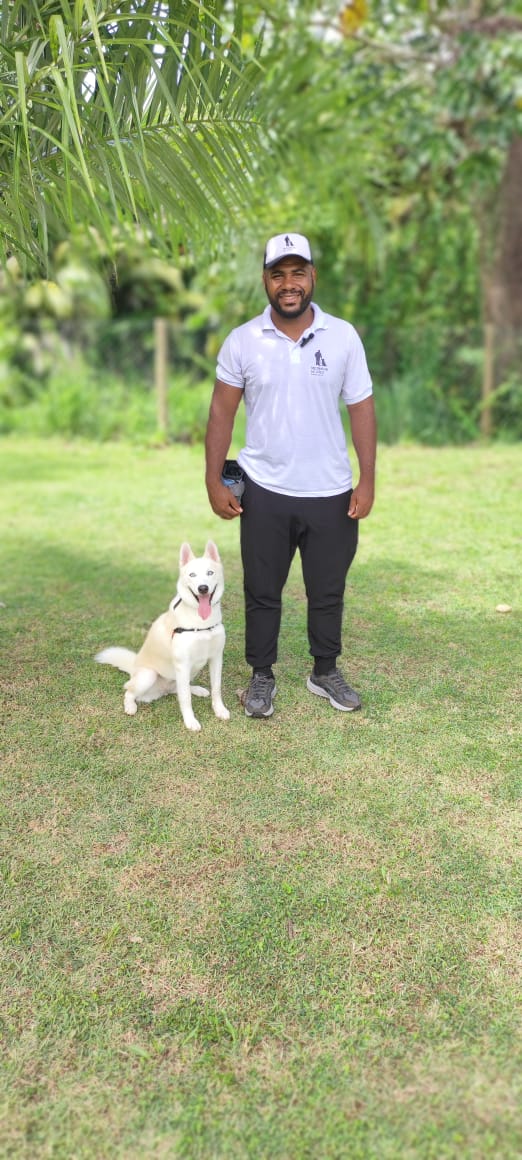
<point x="295" y="441"/>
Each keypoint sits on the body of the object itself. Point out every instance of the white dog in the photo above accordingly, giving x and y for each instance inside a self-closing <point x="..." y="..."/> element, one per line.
<point x="180" y="642"/>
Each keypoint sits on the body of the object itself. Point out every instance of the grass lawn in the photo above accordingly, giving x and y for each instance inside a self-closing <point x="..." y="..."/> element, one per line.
<point x="292" y="939"/>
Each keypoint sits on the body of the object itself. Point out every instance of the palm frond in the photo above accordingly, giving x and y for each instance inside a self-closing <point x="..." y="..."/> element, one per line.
<point x="143" y="111"/>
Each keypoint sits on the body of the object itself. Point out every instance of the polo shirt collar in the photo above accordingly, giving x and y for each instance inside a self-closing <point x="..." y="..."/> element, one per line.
<point x="319" y="322"/>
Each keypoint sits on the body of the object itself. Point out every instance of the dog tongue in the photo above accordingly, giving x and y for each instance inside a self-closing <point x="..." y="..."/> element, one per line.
<point x="204" y="607"/>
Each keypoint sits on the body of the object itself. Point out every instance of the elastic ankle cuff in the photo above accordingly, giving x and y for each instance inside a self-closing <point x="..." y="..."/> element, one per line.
<point x="324" y="665"/>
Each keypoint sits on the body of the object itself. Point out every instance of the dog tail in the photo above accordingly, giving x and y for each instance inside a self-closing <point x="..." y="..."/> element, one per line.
<point x="120" y="658"/>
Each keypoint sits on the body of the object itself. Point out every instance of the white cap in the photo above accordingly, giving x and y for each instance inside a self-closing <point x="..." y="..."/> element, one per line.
<point x="287" y="246"/>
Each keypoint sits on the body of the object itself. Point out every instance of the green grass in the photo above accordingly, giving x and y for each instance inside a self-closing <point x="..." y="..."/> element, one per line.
<point x="285" y="940"/>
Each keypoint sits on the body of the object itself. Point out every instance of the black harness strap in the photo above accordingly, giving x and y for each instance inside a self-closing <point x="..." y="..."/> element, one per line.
<point x="209" y="629"/>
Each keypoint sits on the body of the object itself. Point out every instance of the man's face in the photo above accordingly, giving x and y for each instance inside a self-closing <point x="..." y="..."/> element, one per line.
<point x="289" y="286"/>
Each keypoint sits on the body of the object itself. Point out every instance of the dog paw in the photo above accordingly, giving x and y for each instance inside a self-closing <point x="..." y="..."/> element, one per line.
<point x="129" y="704"/>
<point x="221" y="712"/>
<point x="193" y="725"/>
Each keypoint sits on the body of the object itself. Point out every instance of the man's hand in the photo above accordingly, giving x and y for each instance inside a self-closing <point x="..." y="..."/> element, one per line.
<point x="361" y="501"/>
<point x="223" y="501"/>
<point x="224" y="404"/>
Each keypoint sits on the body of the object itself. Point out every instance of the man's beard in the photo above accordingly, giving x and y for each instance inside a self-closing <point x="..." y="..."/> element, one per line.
<point x="294" y="311"/>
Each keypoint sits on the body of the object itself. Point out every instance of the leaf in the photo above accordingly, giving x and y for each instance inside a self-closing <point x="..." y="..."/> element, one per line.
<point x="353" y="16"/>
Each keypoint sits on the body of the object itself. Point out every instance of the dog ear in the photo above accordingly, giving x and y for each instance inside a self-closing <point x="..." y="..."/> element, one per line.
<point x="211" y="551"/>
<point x="185" y="554"/>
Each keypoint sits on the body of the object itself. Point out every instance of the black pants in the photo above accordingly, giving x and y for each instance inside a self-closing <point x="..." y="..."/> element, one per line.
<point x="272" y="528"/>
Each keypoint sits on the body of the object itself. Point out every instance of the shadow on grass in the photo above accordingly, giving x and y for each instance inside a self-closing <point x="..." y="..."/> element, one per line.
<point x="397" y="618"/>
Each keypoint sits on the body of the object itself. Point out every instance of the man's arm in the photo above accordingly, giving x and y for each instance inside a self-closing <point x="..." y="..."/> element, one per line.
<point x="364" y="435"/>
<point x="224" y="404"/>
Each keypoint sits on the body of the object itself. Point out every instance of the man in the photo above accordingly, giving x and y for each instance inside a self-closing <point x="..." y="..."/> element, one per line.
<point x="291" y="365"/>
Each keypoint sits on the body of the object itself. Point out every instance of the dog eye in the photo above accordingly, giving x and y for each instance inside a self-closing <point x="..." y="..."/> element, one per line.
<point x="192" y="574"/>
<point x="210" y="572"/>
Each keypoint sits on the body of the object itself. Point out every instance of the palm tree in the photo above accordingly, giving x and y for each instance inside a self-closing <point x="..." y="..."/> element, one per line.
<point x="140" y="111"/>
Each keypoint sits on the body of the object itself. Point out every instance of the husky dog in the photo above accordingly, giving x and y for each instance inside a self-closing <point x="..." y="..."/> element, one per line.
<point x="180" y="642"/>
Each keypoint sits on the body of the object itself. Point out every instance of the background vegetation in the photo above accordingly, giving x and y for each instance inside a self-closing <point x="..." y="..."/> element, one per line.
<point x="147" y="151"/>
<point x="281" y="939"/>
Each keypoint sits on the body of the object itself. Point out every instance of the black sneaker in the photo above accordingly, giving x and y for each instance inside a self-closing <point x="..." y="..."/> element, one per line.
<point x="259" y="696"/>
<point x="333" y="686"/>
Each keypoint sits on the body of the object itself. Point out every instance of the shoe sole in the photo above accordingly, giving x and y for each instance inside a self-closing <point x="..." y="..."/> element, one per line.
<point x="260" y="716"/>
<point x="335" y="704"/>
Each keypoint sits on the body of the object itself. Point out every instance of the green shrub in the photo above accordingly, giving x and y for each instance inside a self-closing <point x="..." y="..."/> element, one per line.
<point x="78" y="401"/>
<point x="410" y="408"/>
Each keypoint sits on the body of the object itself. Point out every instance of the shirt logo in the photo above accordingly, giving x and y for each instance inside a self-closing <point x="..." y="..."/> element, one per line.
<point x="319" y="366"/>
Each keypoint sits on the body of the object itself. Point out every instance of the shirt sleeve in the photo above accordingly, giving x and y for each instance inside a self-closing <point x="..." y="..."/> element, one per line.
<point x="357" y="380"/>
<point x="229" y="369"/>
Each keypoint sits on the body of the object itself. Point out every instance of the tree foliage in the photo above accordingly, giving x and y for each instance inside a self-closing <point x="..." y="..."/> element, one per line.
<point x="389" y="132"/>
<point x="111" y="112"/>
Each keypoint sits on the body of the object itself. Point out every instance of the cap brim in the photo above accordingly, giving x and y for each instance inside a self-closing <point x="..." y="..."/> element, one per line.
<point x="303" y="257"/>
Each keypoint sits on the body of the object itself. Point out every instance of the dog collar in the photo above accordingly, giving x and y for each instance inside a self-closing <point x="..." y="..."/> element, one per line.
<point x="209" y="629"/>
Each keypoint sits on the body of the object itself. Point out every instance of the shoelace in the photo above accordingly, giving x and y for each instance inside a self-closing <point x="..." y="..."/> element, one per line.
<point x="259" y="683"/>
<point x="337" y="681"/>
